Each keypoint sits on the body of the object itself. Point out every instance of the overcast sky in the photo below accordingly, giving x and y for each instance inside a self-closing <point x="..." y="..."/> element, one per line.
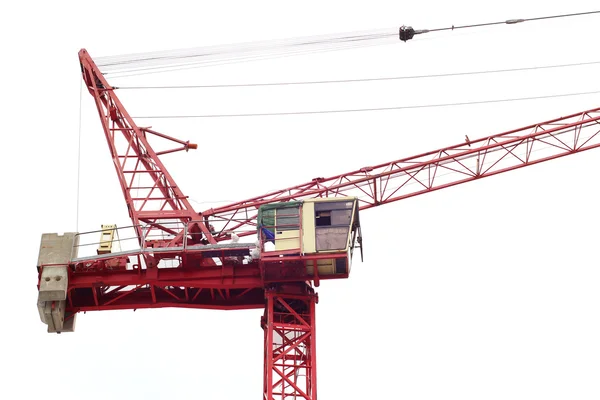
<point x="486" y="290"/>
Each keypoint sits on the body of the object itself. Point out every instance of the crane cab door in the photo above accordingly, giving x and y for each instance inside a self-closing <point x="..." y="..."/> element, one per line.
<point x="280" y="228"/>
<point x="287" y="229"/>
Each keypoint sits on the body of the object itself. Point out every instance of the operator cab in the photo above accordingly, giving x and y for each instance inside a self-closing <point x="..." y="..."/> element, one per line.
<point x="295" y="235"/>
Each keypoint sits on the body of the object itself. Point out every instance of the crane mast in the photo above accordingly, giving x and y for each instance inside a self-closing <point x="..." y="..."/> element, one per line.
<point x="183" y="258"/>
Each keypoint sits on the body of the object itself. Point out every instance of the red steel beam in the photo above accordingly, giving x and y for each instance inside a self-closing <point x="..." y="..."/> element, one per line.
<point x="150" y="192"/>
<point x="208" y="277"/>
<point x="431" y="171"/>
<point x="92" y="285"/>
<point x="154" y="296"/>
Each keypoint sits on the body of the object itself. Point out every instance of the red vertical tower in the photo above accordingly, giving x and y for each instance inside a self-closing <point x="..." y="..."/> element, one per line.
<point x="290" y="369"/>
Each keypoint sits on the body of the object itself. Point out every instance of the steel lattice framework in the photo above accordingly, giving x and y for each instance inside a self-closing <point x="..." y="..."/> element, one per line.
<point x="434" y="170"/>
<point x="290" y="342"/>
<point x="207" y="273"/>
<point x="151" y="194"/>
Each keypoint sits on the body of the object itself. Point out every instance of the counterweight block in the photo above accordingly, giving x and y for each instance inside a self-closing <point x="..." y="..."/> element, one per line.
<point x="56" y="252"/>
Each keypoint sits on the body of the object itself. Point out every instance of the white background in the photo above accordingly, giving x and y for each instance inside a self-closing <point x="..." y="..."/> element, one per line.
<point x="482" y="291"/>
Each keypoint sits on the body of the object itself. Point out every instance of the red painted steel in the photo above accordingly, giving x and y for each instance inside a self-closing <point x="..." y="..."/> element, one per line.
<point x="150" y="191"/>
<point x="290" y="365"/>
<point x="109" y="282"/>
<point x="196" y="281"/>
<point x="431" y="171"/>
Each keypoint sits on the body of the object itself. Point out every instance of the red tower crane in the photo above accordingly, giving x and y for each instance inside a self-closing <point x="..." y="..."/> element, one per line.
<point x="300" y="235"/>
